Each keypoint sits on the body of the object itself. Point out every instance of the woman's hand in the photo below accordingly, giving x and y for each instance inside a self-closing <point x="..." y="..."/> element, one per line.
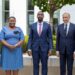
<point x="30" y="53"/>
<point x="11" y="46"/>
<point x="8" y="45"/>
<point x="16" y="45"/>
<point x="19" y="43"/>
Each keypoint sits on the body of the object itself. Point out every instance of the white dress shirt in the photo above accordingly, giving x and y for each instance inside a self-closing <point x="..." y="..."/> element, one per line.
<point x="68" y="25"/>
<point x="38" y="26"/>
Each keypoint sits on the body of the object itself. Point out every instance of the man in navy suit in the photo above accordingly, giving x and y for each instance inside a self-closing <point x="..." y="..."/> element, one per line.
<point x="65" y="45"/>
<point x="40" y="44"/>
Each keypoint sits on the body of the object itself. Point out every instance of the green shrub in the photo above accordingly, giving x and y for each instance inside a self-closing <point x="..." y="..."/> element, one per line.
<point x="0" y="47"/>
<point x="24" y="46"/>
<point x="54" y="45"/>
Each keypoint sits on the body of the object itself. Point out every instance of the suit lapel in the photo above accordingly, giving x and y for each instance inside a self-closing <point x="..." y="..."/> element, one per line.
<point x="35" y="28"/>
<point x="43" y="28"/>
<point x="69" y="29"/>
<point x="62" y="29"/>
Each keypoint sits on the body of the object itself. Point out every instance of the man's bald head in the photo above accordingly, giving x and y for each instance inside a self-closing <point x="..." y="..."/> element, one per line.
<point x="40" y="12"/>
<point x="40" y="16"/>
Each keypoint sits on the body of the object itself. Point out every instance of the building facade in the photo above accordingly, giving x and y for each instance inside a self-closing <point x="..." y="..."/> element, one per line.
<point x="26" y="14"/>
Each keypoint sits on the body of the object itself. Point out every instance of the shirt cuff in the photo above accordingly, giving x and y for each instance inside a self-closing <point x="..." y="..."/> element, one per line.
<point x="74" y="52"/>
<point x="29" y="49"/>
<point x="50" y="49"/>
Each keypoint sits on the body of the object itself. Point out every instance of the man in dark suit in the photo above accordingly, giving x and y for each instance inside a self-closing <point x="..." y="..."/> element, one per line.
<point x="65" y="45"/>
<point x="40" y="44"/>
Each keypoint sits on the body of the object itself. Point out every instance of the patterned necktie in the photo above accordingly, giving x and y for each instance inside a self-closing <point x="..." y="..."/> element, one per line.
<point x="40" y="29"/>
<point x="65" y="29"/>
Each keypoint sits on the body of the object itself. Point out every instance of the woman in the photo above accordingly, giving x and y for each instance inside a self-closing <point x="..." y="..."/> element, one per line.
<point x="12" y="39"/>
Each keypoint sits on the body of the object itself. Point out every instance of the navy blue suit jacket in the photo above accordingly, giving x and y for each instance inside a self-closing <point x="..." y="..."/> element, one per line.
<point x="68" y="41"/>
<point x="44" y="40"/>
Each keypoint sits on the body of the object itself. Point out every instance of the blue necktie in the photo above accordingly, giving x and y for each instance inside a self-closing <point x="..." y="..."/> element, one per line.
<point x="65" y="29"/>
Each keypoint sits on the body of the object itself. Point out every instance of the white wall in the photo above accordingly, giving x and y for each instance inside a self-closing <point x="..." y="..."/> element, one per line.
<point x="0" y="14"/>
<point x="18" y="8"/>
<point x="69" y="9"/>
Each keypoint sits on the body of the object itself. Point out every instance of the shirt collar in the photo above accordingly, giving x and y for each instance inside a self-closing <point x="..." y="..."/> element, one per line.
<point x="39" y="23"/>
<point x="67" y="23"/>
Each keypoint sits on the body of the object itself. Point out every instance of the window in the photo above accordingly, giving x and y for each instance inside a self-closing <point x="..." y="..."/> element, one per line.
<point x="30" y="17"/>
<point x="5" y="11"/>
<point x="30" y="14"/>
<point x="30" y="6"/>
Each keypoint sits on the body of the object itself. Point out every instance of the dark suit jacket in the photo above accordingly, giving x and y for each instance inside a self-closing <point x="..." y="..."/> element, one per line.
<point x="44" y="40"/>
<point x="63" y="41"/>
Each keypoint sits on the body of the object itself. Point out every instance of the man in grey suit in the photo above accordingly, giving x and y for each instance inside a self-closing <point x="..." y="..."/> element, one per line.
<point x="65" y="44"/>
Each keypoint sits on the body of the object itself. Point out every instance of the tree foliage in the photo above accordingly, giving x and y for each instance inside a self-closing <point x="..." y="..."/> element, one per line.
<point x="51" y="5"/>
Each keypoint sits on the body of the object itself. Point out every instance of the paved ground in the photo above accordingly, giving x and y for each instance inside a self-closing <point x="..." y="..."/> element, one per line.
<point x="28" y="70"/>
<point x="53" y="68"/>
